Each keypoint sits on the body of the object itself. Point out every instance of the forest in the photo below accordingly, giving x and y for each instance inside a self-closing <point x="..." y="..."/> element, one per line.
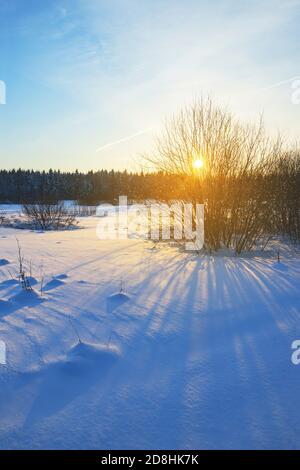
<point x="29" y="186"/>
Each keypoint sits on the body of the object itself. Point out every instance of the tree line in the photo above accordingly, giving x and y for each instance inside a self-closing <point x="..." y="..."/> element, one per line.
<point x="29" y="186"/>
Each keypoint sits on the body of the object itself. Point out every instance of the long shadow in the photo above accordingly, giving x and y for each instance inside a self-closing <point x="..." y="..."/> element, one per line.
<point x="205" y="365"/>
<point x="207" y="356"/>
<point x="8" y="283"/>
<point x="19" y="301"/>
<point x="65" y="381"/>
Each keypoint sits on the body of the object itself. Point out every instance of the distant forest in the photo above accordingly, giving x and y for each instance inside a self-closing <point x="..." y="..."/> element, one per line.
<point x="27" y="186"/>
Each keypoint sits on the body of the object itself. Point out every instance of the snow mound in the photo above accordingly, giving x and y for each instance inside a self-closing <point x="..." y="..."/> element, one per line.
<point x="119" y="297"/>
<point x="116" y="300"/>
<point x="67" y="378"/>
<point x="90" y="352"/>
<point x="32" y="280"/>
<point x="57" y="281"/>
<point x="9" y="283"/>
<point x="89" y="359"/>
<point x="61" y="276"/>
<point x="4" y="262"/>
<point x="27" y="298"/>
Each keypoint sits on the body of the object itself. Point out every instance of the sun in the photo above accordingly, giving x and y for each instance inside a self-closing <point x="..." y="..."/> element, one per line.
<point x="198" y="164"/>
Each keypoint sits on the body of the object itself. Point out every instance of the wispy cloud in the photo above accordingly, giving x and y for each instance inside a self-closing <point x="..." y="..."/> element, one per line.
<point x="103" y="69"/>
<point x="123" y="139"/>
<point x="282" y="82"/>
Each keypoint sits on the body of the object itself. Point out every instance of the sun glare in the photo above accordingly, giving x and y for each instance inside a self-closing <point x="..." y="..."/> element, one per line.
<point x="198" y="164"/>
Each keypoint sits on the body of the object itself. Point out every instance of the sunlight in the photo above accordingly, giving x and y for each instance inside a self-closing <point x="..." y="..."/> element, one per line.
<point x="198" y="164"/>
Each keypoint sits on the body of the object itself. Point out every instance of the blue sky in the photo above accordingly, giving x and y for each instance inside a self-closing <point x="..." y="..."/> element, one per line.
<point x="89" y="82"/>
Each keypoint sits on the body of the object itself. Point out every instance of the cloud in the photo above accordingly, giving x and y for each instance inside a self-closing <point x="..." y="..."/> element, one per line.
<point x="124" y="139"/>
<point x="123" y="65"/>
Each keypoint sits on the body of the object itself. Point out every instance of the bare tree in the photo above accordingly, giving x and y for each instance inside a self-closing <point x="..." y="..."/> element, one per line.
<point x="232" y="183"/>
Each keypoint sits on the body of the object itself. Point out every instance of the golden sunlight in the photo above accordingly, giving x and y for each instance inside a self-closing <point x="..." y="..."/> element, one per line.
<point x="198" y="164"/>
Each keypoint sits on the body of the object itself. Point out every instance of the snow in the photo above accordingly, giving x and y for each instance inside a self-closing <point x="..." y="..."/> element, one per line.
<point x="10" y="209"/>
<point x="131" y="346"/>
<point x="3" y="262"/>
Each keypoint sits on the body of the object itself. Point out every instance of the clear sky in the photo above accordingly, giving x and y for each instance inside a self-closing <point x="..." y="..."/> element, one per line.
<point x="89" y="82"/>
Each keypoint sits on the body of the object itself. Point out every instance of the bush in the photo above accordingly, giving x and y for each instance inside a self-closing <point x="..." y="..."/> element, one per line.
<point x="235" y="180"/>
<point x="286" y="194"/>
<point x="49" y="216"/>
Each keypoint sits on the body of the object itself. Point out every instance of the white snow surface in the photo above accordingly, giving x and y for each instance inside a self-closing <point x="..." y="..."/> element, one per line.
<point x="133" y="346"/>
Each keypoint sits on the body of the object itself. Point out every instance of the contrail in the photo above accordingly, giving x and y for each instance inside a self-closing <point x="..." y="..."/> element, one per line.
<point x="283" y="82"/>
<point x="124" y="139"/>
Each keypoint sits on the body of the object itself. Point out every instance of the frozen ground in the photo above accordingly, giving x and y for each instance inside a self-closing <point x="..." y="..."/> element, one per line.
<point x="177" y="350"/>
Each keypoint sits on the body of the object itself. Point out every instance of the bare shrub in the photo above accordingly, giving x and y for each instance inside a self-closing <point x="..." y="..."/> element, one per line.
<point x="49" y="216"/>
<point x="23" y="278"/>
<point x="234" y="182"/>
<point x="286" y="194"/>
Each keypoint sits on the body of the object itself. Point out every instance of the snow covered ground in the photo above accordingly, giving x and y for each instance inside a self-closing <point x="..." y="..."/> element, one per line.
<point x="176" y="350"/>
